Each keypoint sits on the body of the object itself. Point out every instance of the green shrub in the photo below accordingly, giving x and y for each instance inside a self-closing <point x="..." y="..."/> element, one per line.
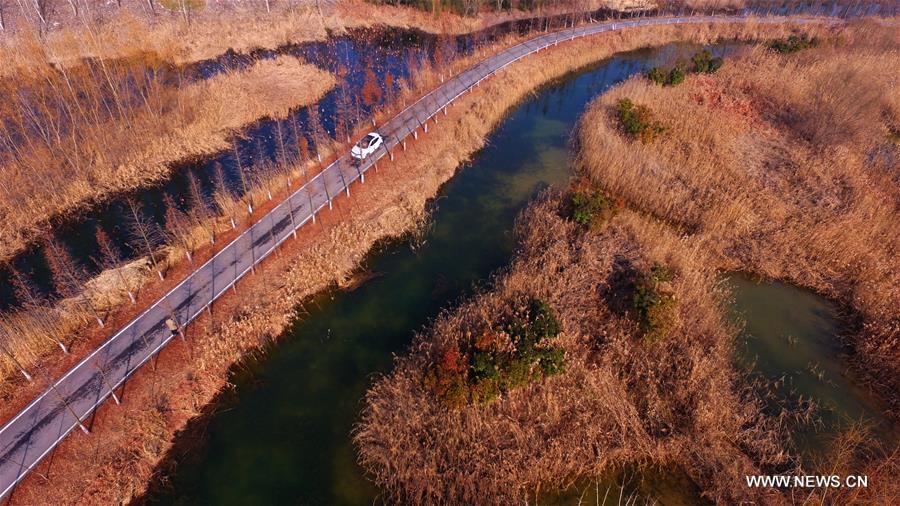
<point x="456" y="394"/>
<point x="484" y="391"/>
<point x="483" y="372"/>
<point x="792" y="44"/>
<point x="552" y="361"/>
<point x="657" y="75"/>
<point x="450" y="387"/>
<point x="591" y="209"/>
<point x="637" y="121"/>
<point x="676" y="76"/>
<point x="654" y="303"/>
<point x="484" y="366"/>
<point x="544" y="323"/>
<point x="516" y="372"/>
<point x="704" y="63"/>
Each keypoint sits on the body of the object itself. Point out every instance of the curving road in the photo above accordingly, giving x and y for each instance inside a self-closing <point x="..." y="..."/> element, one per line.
<point x="39" y="427"/>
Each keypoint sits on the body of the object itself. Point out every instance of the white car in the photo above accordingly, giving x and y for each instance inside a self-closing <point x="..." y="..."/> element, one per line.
<point x="368" y="145"/>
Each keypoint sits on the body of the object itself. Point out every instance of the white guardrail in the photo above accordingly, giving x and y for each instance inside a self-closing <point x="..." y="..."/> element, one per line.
<point x="35" y="431"/>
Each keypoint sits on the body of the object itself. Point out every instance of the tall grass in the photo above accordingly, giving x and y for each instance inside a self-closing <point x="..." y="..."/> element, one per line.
<point x="389" y="204"/>
<point x="110" y="127"/>
<point x="782" y="165"/>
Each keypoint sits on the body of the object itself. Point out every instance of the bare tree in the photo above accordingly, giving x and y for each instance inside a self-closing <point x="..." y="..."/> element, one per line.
<point x="224" y="198"/>
<point x="245" y="183"/>
<point x="110" y="259"/>
<point x="319" y="134"/>
<point x="145" y="234"/>
<point x="43" y="9"/>
<point x="343" y="113"/>
<point x="68" y="277"/>
<point x="38" y="306"/>
<point x="200" y="211"/>
<point x="178" y="227"/>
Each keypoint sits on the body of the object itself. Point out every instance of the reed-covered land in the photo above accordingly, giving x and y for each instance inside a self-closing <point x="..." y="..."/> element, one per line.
<point x="392" y="202"/>
<point x="603" y="344"/>
<point x="783" y="163"/>
<point x="73" y="137"/>
<point x="645" y="376"/>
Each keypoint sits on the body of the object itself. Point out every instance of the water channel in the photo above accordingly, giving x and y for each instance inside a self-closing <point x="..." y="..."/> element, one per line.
<point x="283" y="435"/>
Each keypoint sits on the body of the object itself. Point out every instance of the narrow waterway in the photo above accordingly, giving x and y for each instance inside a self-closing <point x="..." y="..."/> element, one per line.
<point x="284" y="436"/>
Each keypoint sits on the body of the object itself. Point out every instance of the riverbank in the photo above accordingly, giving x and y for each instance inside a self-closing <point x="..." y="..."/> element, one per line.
<point x="390" y="203"/>
<point x="782" y="165"/>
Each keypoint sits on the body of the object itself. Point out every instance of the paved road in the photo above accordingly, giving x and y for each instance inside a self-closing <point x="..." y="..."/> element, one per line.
<point x="38" y="428"/>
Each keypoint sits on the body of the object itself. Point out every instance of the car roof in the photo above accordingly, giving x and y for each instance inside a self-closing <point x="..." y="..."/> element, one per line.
<point x="374" y="134"/>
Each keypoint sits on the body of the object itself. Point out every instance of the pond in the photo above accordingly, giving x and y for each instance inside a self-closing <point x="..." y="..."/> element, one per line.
<point x="792" y="337"/>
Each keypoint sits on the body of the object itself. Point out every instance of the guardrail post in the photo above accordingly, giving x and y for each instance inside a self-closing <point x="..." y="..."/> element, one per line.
<point x="252" y="251"/>
<point x="291" y="213"/>
<point x="344" y="181"/>
<point x="327" y="194"/>
<point x="112" y="391"/>
<point x="234" y="263"/>
<point x="312" y="210"/>
<point x="71" y="411"/>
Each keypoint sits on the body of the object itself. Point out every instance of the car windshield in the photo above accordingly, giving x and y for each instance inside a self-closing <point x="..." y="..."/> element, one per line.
<point x="367" y="141"/>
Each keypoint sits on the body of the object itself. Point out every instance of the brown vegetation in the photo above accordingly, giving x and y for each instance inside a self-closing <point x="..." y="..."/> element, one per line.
<point x="389" y="204"/>
<point x="672" y="400"/>
<point x="212" y="29"/>
<point x="782" y="165"/>
<point x="118" y="127"/>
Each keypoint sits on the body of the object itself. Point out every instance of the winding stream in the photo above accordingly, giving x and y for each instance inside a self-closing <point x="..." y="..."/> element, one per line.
<point x="283" y="435"/>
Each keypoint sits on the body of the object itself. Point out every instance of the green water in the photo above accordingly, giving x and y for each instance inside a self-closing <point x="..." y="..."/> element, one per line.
<point x="283" y="436"/>
<point x="792" y="335"/>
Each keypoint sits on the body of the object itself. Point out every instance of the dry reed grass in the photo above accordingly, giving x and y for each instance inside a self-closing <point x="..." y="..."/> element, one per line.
<point x="781" y="165"/>
<point x="115" y="154"/>
<point x="386" y="206"/>
<point x="214" y="30"/>
<point x="621" y="401"/>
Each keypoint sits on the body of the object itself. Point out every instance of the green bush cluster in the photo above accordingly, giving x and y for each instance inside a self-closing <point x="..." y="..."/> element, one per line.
<point x="591" y="208"/>
<point x="638" y="121"/>
<point x="484" y="371"/>
<point x="703" y="63"/>
<point x="792" y="44"/>
<point x="654" y="303"/>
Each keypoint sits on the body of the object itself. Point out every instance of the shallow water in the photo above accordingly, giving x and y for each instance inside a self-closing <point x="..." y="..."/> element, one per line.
<point x="284" y="437"/>
<point x="792" y="333"/>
